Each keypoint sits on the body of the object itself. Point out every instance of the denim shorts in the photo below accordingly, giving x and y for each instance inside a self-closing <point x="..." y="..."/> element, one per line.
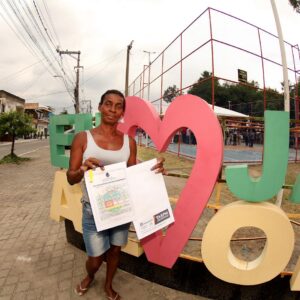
<point x="97" y="243"/>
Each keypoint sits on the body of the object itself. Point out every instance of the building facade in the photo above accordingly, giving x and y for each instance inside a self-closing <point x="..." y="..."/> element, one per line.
<point x="40" y="115"/>
<point x="10" y="102"/>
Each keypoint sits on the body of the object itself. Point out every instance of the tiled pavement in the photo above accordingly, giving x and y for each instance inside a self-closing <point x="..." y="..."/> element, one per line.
<point x="36" y="262"/>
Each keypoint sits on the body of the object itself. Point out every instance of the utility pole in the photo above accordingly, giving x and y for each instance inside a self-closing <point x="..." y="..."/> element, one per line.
<point x="76" y="89"/>
<point x="127" y="68"/>
<point x="86" y="106"/>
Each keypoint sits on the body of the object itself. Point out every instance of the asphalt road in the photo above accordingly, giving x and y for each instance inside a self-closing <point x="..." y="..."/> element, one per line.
<point x="23" y="147"/>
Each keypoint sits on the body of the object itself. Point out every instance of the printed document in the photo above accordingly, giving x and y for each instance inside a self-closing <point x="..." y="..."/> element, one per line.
<point x="149" y="195"/>
<point x="109" y="196"/>
<point x="120" y="195"/>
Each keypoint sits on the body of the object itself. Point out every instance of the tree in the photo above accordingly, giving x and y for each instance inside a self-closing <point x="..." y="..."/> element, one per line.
<point x="296" y="5"/>
<point x="244" y="98"/>
<point x="170" y="93"/>
<point x="294" y="97"/>
<point x="203" y="87"/>
<point x="64" y="112"/>
<point x="15" y="124"/>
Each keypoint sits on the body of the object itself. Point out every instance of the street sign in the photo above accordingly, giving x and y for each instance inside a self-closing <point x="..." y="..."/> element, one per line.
<point x="242" y="76"/>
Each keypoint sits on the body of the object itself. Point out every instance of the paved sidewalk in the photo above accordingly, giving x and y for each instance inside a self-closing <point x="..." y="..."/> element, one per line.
<point x="36" y="260"/>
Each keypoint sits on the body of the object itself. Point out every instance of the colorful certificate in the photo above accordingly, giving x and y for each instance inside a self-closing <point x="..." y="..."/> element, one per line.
<point x="109" y="196"/>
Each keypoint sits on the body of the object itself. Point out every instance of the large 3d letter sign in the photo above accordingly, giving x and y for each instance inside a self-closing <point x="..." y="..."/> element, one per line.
<point x="276" y="154"/>
<point x="192" y="112"/>
<point x="59" y="140"/>
<point x="185" y="111"/>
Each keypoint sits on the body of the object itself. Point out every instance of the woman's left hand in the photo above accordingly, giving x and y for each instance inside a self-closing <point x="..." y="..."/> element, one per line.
<point x="159" y="167"/>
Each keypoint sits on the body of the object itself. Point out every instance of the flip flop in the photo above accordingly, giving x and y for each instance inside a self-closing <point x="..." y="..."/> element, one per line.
<point x="81" y="291"/>
<point x="115" y="298"/>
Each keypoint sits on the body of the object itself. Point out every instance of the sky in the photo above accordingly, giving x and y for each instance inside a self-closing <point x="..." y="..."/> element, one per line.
<point x="101" y="31"/>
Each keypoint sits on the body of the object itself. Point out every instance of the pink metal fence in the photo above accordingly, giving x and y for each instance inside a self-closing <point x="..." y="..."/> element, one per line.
<point x="174" y="58"/>
<point x="219" y="43"/>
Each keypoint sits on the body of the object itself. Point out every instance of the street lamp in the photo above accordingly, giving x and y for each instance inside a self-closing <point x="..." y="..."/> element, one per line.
<point x="148" y="91"/>
<point x="149" y="63"/>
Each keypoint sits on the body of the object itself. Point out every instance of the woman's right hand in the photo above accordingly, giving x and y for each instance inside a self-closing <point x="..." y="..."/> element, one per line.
<point x="77" y="167"/>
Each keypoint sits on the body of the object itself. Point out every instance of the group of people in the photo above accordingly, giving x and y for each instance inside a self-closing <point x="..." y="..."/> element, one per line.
<point x="93" y="148"/>
<point x="36" y="135"/>
<point x="185" y="135"/>
<point x="237" y="137"/>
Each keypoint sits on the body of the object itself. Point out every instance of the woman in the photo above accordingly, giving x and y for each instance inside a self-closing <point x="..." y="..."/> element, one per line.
<point x="98" y="147"/>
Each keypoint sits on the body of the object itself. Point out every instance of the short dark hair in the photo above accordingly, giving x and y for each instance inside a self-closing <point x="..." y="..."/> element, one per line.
<point x="116" y="92"/>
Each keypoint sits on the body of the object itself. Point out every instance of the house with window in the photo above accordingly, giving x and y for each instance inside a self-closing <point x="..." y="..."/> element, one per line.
<point x="10" y="102"/>
<point x="40" y="117"/>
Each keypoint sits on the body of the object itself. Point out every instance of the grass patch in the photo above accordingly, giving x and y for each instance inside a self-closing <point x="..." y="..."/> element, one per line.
<point x="182" y="165"/>
<point x="13" y="159"/>
<point x="173" y="163"/>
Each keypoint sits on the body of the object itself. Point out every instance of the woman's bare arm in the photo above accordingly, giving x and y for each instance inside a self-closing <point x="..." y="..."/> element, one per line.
<point x="132" y="158"/>
<point x="75" y="172"/>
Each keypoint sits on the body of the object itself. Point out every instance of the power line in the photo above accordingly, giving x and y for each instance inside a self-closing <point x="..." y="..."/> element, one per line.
<point x="21" y="17"/>
<point x="50" y="51"/>
<point x="58" y="44"/>
<point x="51" y="22"/>
<point x="38" y="13"/>
<point x="111" y="58"/>
<point x="39" y="31"/>
<point x="30" y="25"/>
<point x="35" y="24"/>
<point x="45" y="95"/>
<point x="25" y="26"/>
<point x="17" y="32"/>
<point x="105" y="59"/>
<point x="20" y="71"/>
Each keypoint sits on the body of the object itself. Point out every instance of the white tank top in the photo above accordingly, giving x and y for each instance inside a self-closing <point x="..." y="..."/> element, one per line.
<point x="107" y="157"/>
